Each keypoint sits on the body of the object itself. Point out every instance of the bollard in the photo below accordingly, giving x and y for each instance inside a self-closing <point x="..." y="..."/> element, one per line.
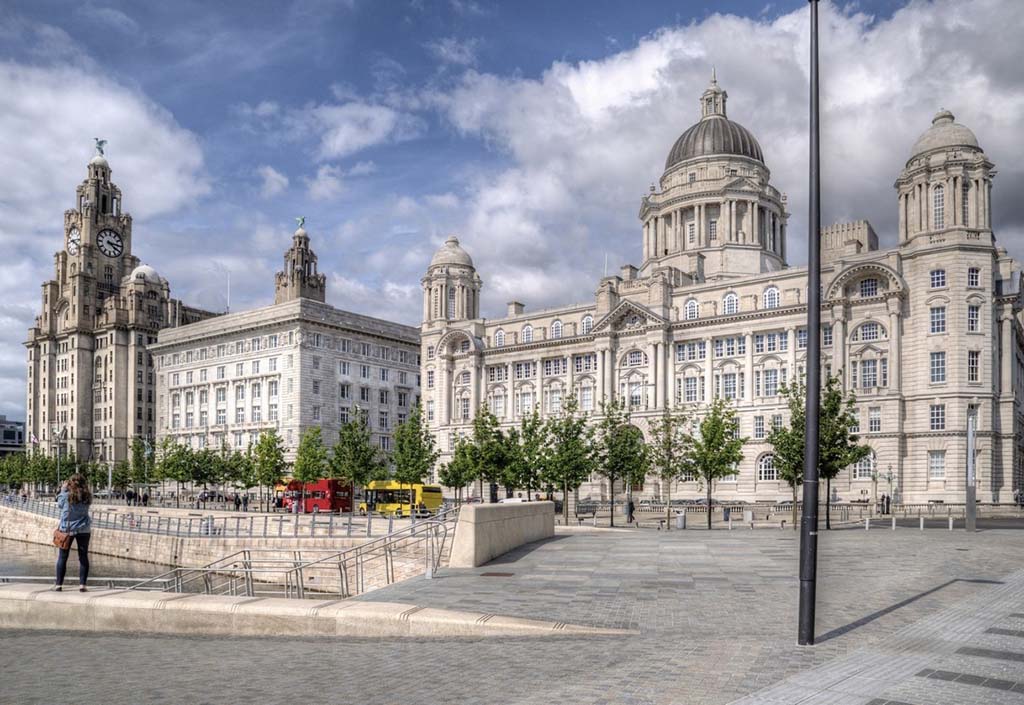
<point x="920" y="520"/>
<point x="782" y="524"/>
<point x="950" y="522"/>
<point x="751" y="525"/>
<point x="894" y="522"/>
<point x="369" y="520"/>
<point x="595" y="518"/>
<point x="348" y="532"/>
<point x="391" y="523"/>
<point x="867" y="523"/>
<point x="330" y="525"/>
<point x="730" y="522"/>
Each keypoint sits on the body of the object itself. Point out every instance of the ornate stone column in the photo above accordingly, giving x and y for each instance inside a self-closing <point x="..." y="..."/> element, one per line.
<point x="709" y="370"/>
<point x="895" y="345"/>
<point x="748" y="368"/>
<point x="474" y="385"/>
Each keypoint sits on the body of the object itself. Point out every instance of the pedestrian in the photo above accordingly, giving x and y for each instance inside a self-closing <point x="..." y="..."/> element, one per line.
<point x="245" y="502"/>
<point x="128" y="498"/>
<point x="73" y="506"/>
<point x="238" y="501"/>
<point x="145" y="499"/>
<point x="629" y="510"/>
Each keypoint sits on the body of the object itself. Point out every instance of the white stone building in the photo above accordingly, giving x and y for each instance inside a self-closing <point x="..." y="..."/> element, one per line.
<point x="91" y="382"/>
<point x="924" y="333"/>
<point x="293" y="365"/>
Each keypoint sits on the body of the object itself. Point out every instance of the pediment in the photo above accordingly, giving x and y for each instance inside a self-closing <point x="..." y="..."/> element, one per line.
<point x="743" y="183"/>
<point x="629" y="315"/>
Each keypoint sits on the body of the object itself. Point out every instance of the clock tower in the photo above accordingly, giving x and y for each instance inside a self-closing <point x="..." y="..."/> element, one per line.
<point x="91" y="386"/>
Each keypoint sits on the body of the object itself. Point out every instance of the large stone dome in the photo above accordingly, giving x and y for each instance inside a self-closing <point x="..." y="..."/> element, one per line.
<point x="714" y="135"/>
<point x="147" y="273"/>
<point x="944" y="133"/>
<point x="451" y="252"/>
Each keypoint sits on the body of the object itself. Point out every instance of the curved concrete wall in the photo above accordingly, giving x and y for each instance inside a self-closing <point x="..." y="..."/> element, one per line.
<point x="486" y="531"/>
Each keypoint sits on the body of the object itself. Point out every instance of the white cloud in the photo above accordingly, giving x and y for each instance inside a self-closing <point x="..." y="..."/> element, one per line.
<point x="327" y="183"/>
<point x="362" y="168"/>
<point x="274" y="182"/>
<point x="51" y="114"/>
<point x="450" y="50"/>
<point x="585" y="139"/>
<point x="346" y="128"/>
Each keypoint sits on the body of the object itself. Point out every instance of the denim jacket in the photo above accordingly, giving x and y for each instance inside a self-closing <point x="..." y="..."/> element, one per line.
<point x="74" y="518"/>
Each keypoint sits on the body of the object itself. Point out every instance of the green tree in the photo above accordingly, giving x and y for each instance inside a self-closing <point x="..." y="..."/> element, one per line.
<point x="461" y="470"/>
<point x="414" y="454"/>
<point x="838" y="445"/>
<point x="354" y="457"/>
<point x="717" y="448"/>
<point x="571" y="455"/>
<point x="622" y="454"/>
<point x="490" y="448"/>
<point x="310" y="460"/>
<point x="141" y="464"/>
<point x="528" y="452"/>
<point x="788" y="442"/>
<point x="669" y="447"/>
<point x="268" y="461"/>
<point x="174" y="463"/>
<point x="121" y="477"/>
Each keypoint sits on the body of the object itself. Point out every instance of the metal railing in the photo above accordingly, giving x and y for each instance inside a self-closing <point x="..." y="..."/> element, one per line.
<point x="242" y="525"/>
<point x="421" y="548"/>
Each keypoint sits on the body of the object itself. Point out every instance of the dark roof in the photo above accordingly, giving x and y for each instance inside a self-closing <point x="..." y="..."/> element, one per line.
<point x="714" y="135"/>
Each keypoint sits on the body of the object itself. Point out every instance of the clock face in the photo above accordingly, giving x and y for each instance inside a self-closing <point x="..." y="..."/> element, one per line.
<point x="74" y="241"/>
<point x="110" y="243"/>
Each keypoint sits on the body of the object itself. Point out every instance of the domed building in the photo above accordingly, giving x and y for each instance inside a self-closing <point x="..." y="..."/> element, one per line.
<point x="925" y="335"/>
<point x="91" y="382"/>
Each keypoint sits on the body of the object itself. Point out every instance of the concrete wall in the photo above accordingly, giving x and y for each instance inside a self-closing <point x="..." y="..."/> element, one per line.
<point x="486" y="531"/>
<point x="157" y="548"/>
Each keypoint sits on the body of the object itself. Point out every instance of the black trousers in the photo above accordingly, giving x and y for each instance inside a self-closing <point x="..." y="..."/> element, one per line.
<point x="82" y="541"/>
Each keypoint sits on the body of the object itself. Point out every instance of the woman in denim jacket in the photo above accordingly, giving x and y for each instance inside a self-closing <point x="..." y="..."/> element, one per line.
<point x="73" y="502"/>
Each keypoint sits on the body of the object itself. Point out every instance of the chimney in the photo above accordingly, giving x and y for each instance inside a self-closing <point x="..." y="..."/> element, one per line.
<point x="515" y="308"/>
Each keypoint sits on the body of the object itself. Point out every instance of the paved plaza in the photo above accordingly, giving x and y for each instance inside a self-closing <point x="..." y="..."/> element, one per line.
<point x="926" y="618"/>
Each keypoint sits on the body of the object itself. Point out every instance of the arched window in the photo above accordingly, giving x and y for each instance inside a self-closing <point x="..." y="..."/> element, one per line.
<point x="464" y="378"/>
<point x="499" y="338"/>
<point x="771" y="297"/>
<point x="451" y="303"/>
<point x="692" y="310"/>
<point x="636" y="358"/>
<point x="766" y="471"/>
<point x="556" y="329"/>
<point x="527" y="333"/>
<point x="939" y="207"/>
<point x="864" y="468"/>
<point x="588" y="324"/>
<point x="730" y="304"/>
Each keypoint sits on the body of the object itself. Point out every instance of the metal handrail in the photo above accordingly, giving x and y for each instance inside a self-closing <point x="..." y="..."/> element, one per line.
<point x="203" y="526"/>
<point x="253" y="571"/>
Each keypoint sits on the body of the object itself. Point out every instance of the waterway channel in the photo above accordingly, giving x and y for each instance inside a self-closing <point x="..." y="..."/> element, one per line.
<point x="30" y="559"/>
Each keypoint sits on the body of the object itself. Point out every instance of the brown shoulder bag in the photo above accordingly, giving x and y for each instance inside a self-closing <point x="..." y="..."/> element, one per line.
<point x="61" y="539"/>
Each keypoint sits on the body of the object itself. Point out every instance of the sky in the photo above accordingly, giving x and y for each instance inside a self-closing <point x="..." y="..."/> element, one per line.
<point x="530" y="129"/>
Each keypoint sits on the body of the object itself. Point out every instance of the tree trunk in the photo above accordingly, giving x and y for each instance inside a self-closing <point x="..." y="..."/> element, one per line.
<point x="828" y="502"/>
<point x="709" y="503"/>
<point x="794" y="508"/>
<point x="565" y="503"/>
<point x="611" y="497"/>
<point x="668" y="507"/>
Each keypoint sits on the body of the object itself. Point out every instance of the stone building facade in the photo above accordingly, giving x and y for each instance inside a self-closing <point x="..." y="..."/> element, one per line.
<point x="925" y="333"/>
<point x="291" y="366"/>
<point x="91" y="385"/>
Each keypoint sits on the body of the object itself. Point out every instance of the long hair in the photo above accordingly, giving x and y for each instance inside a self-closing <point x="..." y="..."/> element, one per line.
<point x="78" y="490"/>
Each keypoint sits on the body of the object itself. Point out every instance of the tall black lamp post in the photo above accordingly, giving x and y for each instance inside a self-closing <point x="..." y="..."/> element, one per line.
<point x="809" y="520"/>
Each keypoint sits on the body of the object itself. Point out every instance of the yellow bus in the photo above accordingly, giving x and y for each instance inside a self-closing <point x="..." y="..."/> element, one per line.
<point x="389" y="498"/>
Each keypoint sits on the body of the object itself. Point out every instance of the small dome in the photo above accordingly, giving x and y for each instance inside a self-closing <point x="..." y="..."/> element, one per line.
<point x="99" y="160"/>
<point x="301" y="232"/>
<point x="144" y="271"/>
<point x="451" y="252"/>
<point x="712" y="136"/>
<point x="944" y="133"/>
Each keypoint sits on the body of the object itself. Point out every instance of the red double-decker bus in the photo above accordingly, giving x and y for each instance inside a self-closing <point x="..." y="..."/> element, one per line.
<point x="321" y="496"/>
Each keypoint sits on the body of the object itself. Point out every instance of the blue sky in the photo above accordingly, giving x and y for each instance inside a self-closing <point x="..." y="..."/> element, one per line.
<point x="530" y="129"/>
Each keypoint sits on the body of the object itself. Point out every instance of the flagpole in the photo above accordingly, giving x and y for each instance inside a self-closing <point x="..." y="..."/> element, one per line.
<point x="809" y="520"/>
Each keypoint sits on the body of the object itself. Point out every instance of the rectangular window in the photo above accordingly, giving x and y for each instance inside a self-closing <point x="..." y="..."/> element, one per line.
<point x="384" y="419"/>
<point x="938" y="367"/>
<point x="758" y="427"/>
<point x="691" y="232"/>
<point x="383" y="396"/>
<point x="272" y="411"/>
<point x="364" y="394"/>
<point x="272" y="388"/>
<point x="239" y="392"/>
<point x="771" y="383"/>
<point x="973" y="277"/>
<point x="855" y="426"/>
<point x="364" y="371"/>
<point x="868" y="373"/>
<point x="316" y="386"/>
<point x="936" y="465"/>
<point x="384" y="374"/>
<point x="874" y="419"/>
<point x="690" y="389"/>
<point x="801" y="338"/>
<point x="222" y="416"/>
<point x="937" y="417"/>
<point x="220" y="372"/>
<point x="587" y="398"/>
<point x="938" y="278"/>
<point x="498" y="405"/>
<point x="729" y="385"/>
<point x="497" y="373"/>
<point x="240" y="415"/>
<point x="524" y="370"/>
<point x="776" y="421"/>
<point x="938" y="319"/>
<point x="430" y="410"/>
<point x="256" y="414"/>
<point x="430" y="379"/>
<point x="713" y="230"/>
<point x="316" y="413"/>
<point x="826" y="336"/>
<point x="973" y="365"/>
<point x="239" y="369"/>
<point x="973" y="318"/>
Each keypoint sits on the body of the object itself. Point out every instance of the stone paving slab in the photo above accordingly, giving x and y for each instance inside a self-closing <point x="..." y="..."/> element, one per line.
<point x="715" y="612"/>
